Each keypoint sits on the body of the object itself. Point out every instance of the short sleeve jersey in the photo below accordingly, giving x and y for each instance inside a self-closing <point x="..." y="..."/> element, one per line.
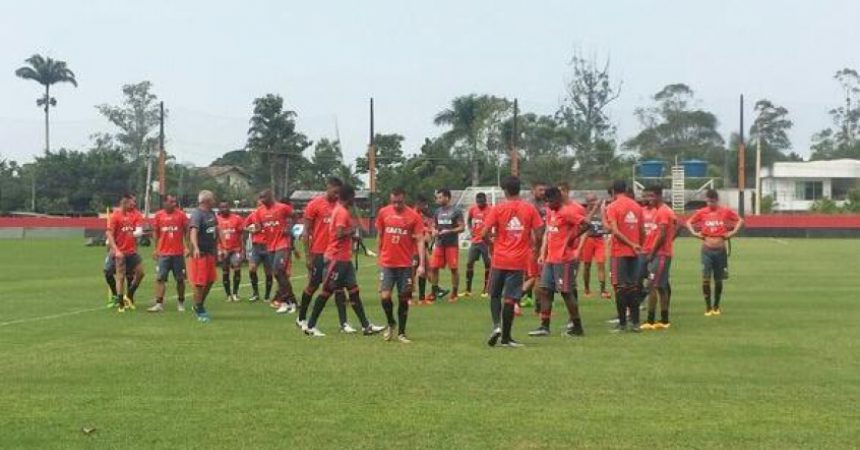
<point x="257" y="238"/>
<point x="207" y="230"/>
<point x="627" y="214"/>
<point x="339" y="249"/>
<point x="514" y="222"/>
<point x="123" y="224"/>
<point x="714" y="222"/>
<point x="169" y="228"/>
<point x="318" y="212"/>
<point x="275" y="222"/>
<point x="446" y="218"/>
<point x="397" y="231"/>
<point x="476" y="221"/>
<point x="655" y="218"/>
<point x="230" y="229"/>
<point x="561" y="225"/>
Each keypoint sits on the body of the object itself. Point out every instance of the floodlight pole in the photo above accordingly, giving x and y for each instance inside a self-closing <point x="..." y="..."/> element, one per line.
<point x="742" y="154"/>
<point x="515" y="154"/>
<point x="162" y="189"/>
<point x="758" y="171"/>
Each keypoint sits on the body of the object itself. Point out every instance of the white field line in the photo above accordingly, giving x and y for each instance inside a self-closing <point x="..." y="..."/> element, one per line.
<point x="102" y="308"/>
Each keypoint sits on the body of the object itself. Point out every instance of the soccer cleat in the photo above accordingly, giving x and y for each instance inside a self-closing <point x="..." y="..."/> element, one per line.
<point x="709" y="312"/>
<point x="283" y="308"/>
<point x="647" y="326"/>
<point x="314" y="332"/>
<point x="346" y="328"/>
<point x="527" y="302"/>
<point x="716" y="312"/>
<point x="441" y="293"/>
<point x="465" y="294"/>
<point x="606" y="295"/>
<point x="254" y="298"/>
<point x="202" y="315"/>
<point x="302" y="324"/>
<point x="120" y="309"/>
<point x="128" y="302"/>
<point x="275" y="304"/>
<point x="634" y="327"/>
<point x="494" y="337"/>
<point x="372" y="329"/>
<point x="575" y="332"/>
<point x="390" y="333"/>
<point x="403" y="339"/>
<point x="661" y="326"/>
<point x="512" y="344"/>
<point x="291" y="308"/>
<point x="156" y="308"/>
<point x="180" y="307"/>
<point x="235" y="298"/>
<point x="613" y="320"/>
<point x="587" y="294"/>
<point x="484" y="294"/>
<point x="618" y="328"/>
<point x="539" y="332"/>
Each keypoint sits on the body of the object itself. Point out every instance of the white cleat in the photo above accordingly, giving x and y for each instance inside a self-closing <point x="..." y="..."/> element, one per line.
<point x="283" y="309"/>
<point x="403" y="339"/>
<point x="302" y="324"/>
<point x="156" y="308"/>
<point x="235" y="298"/>
<point x="314" y="332"/>
<point x="373" y="329"/>
<point x="390" y="333"/>
<point x="494" y="337"/>
<point x="180" y="307"/>
<point x="291" y="308"/>
<point x="346" y="328"/>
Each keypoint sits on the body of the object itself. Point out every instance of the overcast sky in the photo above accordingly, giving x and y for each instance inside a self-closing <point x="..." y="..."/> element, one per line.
<point x="209" y="59"/>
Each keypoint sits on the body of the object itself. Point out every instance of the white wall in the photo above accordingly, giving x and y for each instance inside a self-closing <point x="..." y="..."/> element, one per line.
<point x="783" y="192"/>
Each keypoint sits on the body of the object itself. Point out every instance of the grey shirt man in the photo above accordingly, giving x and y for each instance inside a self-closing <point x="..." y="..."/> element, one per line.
<point x="207" y="232"/>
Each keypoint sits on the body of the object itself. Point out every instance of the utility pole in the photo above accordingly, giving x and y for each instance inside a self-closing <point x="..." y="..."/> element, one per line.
<point x="162" y="188"/>
<point x="758" y="171"/>
<point x="742" y="157"/>
<point x="515" y="154"/>
<point x="148" y="189"/>
<point x="371" y="163"/>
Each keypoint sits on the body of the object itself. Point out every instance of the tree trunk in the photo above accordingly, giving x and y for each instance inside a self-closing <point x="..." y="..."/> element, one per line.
<point x="286" y="176"/>
<point x="47" y="121"/>
<point x="476" y="176"/>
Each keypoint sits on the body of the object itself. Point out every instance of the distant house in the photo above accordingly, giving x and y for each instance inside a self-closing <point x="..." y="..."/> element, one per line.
<point x="794" y="186"/>
<point x="233" y="176"/>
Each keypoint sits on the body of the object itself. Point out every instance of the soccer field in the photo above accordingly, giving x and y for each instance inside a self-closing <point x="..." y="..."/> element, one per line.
<point x="779" y="369"/>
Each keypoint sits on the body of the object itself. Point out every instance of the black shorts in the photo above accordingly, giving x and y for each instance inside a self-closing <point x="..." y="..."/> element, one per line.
<point x="132" y="260"/>
<point x="280" y="260"/>
<point x="168" y="264"/>
<point x="479" y="251"/>
<point x="559" y="277"/>
<point x="317" y="269"/>
<point x="401" y="277"/>
<point x="506" y="283"/>
<point x="260" y="255"/>
<point x="626" y="270"/>
<point x="231" y="259"/>
<point x="658" y="271"/>
<point x="339" y="275"/>
<point x="714" y="263"/>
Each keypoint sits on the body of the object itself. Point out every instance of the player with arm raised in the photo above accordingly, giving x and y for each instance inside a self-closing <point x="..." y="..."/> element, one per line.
<point x="715" y="225"/>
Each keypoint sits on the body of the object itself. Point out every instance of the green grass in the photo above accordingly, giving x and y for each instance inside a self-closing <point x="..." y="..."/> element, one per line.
<point x="779" y="369"/>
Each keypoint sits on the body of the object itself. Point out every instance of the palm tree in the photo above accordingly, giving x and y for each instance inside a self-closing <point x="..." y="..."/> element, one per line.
<point x="470" y="118"/>
<point x="46" y="72"/>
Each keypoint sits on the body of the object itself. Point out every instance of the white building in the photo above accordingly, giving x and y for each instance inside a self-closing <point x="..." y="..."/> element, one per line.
<point x="794" y="186"/>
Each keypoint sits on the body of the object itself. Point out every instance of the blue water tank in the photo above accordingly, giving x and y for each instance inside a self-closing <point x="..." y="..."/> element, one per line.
<point x="651" y="169"/>
<point x="695" y="168"/>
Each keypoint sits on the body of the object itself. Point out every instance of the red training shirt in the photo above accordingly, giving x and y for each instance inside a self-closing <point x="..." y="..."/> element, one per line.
<point x="258" y="237"/>
<point x="627" y="214"/>
<point x="122" y="224"/>
<point x="513" y="221"/>
<point x="318" y="212"/>
<point x="339" y="249"/>
<point x="654" y="218"/>
<point x="714" y="222"/>
<point x="397" y="231"/>
<point x="477" y="217"/>
<point x="169" y="228"/>
<point x="275" y="222"/>
<point x="230" y="229"/>
<point x="561" y="225"/>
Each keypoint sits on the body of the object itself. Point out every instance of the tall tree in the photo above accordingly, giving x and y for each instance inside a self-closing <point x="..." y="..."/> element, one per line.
<point x="275" y="143"/>
<point x="47" y="72"/>
<point x="137" y="118"/>
<point x="841" y="140"/>
<point x="583" y="113"/>
<point x="674" y="127"/>
<point x="472" y="120"/>
<point x="327" y="161"/>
